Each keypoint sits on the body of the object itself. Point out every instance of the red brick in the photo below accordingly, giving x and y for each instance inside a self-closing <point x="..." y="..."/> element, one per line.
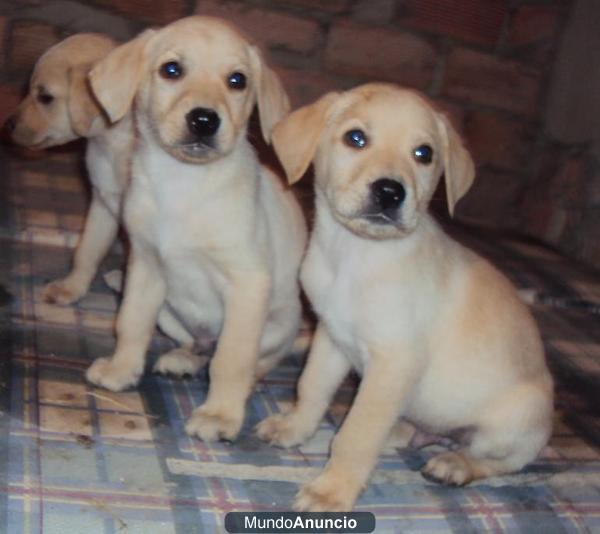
<point x="480" y="78"/>
<point x="380" y="53"/>
<point x="454" y="112"/>
<point x="2" y="38"/>
<point x="374" y="11"/>
<point x="493" y="199"/>
<point x="305" y="86"/>
<point x="28" y="41"/>
<point x="474" y="21"/>
<point x="533" y="23"/>
<point x="268" y="28"/>
<point x="497" y="140"/>
<point x="558" y="186"/>
<point x="151" y="11"/>
<point x="539" y="216"/>
<point x="569" y="183"/>
<point x="10" y="96"/>
<point x="584" y="237"/>
<point x="330" y="6"/>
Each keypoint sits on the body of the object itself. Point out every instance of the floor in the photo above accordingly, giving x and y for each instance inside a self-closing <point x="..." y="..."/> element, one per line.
<point x="75" y="459"/>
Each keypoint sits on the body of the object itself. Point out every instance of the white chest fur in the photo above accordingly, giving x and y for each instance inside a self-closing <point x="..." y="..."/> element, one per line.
<point x="368" y="292"/>
<point x="181" y="214"/>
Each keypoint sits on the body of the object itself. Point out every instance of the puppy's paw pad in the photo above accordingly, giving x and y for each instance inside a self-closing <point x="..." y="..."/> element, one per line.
<point x="105" y="373"/>
<point x="180" y="363"/>
<point x="61" y="292"/>
<point x="325" y="494"/>
<point x="450" y="468"/>
<point x="209" y="425"/>
<point x="280" y="430"/>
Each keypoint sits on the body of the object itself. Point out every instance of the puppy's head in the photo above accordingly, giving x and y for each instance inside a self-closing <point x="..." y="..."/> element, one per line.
<point x="60" y="106"/>
<point x="194" y="84"/>
<point x="379" y="152"/>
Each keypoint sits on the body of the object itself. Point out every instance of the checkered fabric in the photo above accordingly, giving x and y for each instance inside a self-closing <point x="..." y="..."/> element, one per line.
<point x="77" y="459"/>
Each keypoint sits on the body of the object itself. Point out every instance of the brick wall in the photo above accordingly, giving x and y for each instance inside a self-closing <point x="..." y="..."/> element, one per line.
<point x="486" y="62"/>
<point x="561" y="199"/>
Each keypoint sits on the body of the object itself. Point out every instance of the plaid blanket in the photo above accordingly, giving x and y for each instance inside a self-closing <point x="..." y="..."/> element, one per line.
<point x="74" y="458"/>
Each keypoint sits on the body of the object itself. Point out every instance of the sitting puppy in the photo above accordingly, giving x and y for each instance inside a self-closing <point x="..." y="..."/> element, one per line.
<point x="439" y="336"/>
<point x="215" y="237"/>
<point x="58" y="109"/>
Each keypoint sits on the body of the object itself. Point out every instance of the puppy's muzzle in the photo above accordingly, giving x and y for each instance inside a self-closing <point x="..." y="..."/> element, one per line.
<point x="203" y="124"/>
<point x="387" y="196"/>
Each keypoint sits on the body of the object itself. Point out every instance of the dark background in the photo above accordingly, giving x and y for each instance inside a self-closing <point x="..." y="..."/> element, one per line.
<point x="519" y="78"/>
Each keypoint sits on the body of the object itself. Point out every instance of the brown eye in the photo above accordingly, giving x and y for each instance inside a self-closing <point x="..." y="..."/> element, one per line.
<point x="171" y="70"/>
<point x="45" y="98"/>
<point x="423" y="154"/>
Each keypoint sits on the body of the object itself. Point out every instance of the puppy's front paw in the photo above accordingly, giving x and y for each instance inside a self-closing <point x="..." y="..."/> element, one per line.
<point x="63" y="292"/>
<point x="281" y="430"/>
<point x="329" y="492"/>
<point x="105" y="372"/>
<point x="212" y="425"/>
<point x="450" y="468"/>
<point x="180" y="362"/>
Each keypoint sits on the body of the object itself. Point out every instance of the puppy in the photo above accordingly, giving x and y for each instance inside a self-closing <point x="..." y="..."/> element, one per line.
<point x="58" y="109"/>
<point x="439" y="336"/>
<point x="215" y="237"/>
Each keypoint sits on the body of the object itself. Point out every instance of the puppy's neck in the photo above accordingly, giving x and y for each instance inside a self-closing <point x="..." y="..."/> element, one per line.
<point x="112" y="138"/>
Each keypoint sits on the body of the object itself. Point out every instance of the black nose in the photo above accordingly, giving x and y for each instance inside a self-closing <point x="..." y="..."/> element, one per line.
<point x="10" y="124"/>
<point x="387" y="195"/>
<point x="203" y="122"/>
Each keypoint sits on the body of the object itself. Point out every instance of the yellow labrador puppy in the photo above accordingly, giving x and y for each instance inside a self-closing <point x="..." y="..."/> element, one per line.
<point x="58" y="109"/>
<point x="439" y="336"/>
<point x="215" y="237"/>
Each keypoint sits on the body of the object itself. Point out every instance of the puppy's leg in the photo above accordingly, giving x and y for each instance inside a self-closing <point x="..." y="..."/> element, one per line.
<point x="177" y="362"/>
<point x="356" y="447"/>
<point x="511" y="434"/>
<point x="144" y="295"/>
<point x="170" y="325"/>
<point x="401" y="435"/>
<point x="325" y="369"/>
<point x="98" y="234"/>
<point x="233" y="367"/>
<point x="280" y="336"/>
<point x="300" y="345"/>
<point x="181" y="361"/>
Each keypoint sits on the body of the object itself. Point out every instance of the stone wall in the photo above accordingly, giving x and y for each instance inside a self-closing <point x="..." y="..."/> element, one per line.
<point x="488" y="63"/>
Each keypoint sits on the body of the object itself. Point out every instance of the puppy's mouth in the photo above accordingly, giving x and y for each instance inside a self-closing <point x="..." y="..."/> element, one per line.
<point x="381" y="218"/>
<point x="197" y="149"/>
<point x="374" y="224"/>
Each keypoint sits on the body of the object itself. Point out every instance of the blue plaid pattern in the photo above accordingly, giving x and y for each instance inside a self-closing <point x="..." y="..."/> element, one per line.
<point x="74" y="458"/>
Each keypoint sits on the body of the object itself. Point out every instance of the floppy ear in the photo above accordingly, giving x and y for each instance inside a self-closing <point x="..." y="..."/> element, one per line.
<point x="459" y="169"/>
<point x="115" y="79"/>
<point x="273" y="101"/>
<point x="80" y="103"/>
<point x="296" y="137"/>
